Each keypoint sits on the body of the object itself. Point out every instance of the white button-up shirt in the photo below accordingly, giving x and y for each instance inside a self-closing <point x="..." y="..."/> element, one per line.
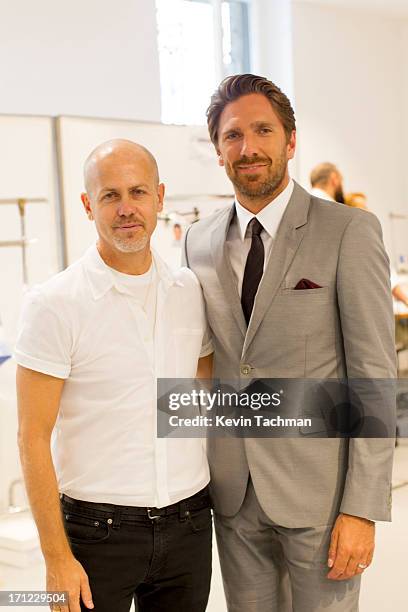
<point x="85" y="326"/>
<point x="239" y="239"/>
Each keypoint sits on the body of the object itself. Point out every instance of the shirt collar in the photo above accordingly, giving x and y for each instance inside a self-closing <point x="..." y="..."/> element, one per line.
<point x="270" y="216"/>
<point x="101" y="278"/>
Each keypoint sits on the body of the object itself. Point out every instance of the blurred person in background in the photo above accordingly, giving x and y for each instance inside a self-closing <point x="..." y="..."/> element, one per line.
<point x="327" y="182"/>
<point x="400" y="291"/>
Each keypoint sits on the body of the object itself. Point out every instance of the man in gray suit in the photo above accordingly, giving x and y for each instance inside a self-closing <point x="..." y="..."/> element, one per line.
<point x="294" y="288"/>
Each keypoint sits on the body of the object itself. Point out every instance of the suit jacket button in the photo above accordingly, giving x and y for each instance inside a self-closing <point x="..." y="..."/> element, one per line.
<point x="245" y="369"/>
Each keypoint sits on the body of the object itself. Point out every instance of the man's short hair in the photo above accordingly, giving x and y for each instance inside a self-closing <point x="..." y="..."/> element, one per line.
<point x="321" y="173"/>
<point x="233" y="87"/>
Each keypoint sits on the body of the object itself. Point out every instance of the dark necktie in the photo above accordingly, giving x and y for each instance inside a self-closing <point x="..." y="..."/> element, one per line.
<point x="253" y="270"/>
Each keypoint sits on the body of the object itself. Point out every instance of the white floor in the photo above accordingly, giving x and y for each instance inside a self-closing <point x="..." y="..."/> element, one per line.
<point x="385" y="584"/>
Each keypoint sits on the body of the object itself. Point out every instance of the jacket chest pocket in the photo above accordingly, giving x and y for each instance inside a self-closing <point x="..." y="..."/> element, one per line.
<point x="306" y="296"/>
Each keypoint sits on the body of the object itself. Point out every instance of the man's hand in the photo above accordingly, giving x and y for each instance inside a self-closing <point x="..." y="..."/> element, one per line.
<point x="205" y="367"/>
<point x="352" y="543"/>
<point x="67" y="574"/>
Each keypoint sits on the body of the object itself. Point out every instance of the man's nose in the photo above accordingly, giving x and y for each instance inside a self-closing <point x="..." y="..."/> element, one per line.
<point x="126" y="207"/>
<point x="249" y="147"/>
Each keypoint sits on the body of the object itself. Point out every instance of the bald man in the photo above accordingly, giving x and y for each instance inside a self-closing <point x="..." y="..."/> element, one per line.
<point x="135" y="520"/>
<point x="327" y="183"/>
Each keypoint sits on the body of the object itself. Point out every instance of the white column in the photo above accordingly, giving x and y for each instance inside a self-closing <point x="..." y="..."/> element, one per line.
<point x="271" y="50"/>
<point x="219" y="72"/>
<point x="271" y="42"/>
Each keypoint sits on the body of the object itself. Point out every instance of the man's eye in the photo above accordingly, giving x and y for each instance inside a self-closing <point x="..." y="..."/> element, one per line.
<point x="109" y="196"/>
<point x="265" y="130"/>
<point x="231" y="136"/>
<point x="138" y="191"/>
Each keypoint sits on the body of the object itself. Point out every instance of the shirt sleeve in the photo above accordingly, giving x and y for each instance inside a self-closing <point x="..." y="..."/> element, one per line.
<point x="207" y="345"/>
<point x="44" y="340"/>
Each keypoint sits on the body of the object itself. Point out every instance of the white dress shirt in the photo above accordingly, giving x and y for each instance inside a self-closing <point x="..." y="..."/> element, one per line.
<point x="143" y="289"/>
<point x="98" y="330"/>
<point x="239" y="239"/>
<point x="319" y="193"/>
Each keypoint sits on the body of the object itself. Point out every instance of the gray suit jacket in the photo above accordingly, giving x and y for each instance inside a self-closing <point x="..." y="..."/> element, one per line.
<point x="345" y="329"/>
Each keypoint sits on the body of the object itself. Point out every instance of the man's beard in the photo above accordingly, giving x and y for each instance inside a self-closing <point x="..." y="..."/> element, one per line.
<point x="250" y="186"/>
<point x="339" y="195"/>
<point x="130" y="244"/>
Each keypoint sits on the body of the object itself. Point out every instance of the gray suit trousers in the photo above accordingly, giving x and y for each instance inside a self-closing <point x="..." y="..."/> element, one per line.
<point x="258" y="556"/>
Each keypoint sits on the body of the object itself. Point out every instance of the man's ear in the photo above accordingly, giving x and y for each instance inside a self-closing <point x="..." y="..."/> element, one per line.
<point x="160" y="192"/>
<point x="87" y="205"/>
<point x="334" y="180"/>
<point x="291" y="147"/>
<point x="220" y="158"/>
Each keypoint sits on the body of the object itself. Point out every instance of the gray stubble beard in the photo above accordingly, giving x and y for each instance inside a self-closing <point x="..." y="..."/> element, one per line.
<point x="128" y="245"/>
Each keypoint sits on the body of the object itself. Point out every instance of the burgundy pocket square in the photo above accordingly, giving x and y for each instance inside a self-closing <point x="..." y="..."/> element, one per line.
<point x="305" y="283"/>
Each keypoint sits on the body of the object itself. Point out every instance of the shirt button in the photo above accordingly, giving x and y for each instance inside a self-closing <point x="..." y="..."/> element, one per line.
<point x="245" y="369"/>
<point x="109" y="521"/>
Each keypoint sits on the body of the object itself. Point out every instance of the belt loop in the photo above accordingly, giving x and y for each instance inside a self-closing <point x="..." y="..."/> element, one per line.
<point x="183" y="510"/>
<point x="116" y="518"/>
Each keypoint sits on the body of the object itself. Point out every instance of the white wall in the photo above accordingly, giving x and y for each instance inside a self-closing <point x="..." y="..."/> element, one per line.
<point x="271" y="44"/>
<point x="402" y="234"/>
<point x="83" y="57"/>
<point x="349" y="83"/>
<point x="25" y="171"/>
<point x="404" y="99"/>
<point x="92" y="57"/>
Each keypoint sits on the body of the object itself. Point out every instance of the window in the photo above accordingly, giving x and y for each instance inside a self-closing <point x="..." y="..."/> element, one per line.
<point x="200" y="42"/>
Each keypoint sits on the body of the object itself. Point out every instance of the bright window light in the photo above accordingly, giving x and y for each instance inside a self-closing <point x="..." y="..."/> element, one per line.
<point x="196" y="51"/>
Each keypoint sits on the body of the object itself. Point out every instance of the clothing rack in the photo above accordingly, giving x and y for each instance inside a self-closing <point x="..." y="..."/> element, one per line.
<point x="22" y="242"/>
<point x="169" y="215"/>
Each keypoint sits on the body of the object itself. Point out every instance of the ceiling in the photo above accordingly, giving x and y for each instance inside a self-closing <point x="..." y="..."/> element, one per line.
<point x="391" y="7"/>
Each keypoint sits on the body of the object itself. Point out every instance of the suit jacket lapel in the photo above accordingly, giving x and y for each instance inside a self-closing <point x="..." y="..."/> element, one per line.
<point x="224" y="270"/>
<point x="287" y="240"/>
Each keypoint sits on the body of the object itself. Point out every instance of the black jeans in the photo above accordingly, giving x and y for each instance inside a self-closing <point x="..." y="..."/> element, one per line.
<point x="163" y="563"/>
